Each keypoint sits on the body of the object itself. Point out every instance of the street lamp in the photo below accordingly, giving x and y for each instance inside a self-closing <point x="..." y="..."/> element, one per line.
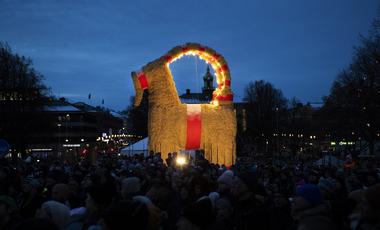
<point x="67" y="118"/>
<point x="277" y="132"/>
<point x="59" y="139"/>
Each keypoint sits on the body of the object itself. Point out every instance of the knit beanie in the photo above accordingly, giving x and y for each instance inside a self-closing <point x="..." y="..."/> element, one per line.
<point x="200" y="213"/>
<point x="37" y="183"/>
<point x="372" y="196"/>
<point x="225" y="203"/>
<point x="326" y="184"/>
<point x="249" y="178"/>
<point x="95" y="178"/>
<point x="226" y="177"/>
<point x="311" y="193"/>
<point x="60" y="213"/>
<point x="131" y="185"/>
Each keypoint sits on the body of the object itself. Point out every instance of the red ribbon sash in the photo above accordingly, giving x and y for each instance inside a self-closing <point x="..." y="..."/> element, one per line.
<point x="194" y="124"/>
<point x="142" y="79"/>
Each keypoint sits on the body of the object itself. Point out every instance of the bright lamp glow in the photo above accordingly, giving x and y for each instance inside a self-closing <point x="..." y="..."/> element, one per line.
<point x="181" y="160"/>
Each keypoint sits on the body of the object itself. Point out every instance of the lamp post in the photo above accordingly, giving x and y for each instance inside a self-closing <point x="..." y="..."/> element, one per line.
<point x="59" y="139"/>
<point x="277" y="132"/>
<point x="67" y="118"/>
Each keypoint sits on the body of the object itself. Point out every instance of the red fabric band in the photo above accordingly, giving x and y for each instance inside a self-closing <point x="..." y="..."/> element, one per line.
<point x="185" y="49"/>
<point x="142" y="79"/>
<point x="227" y="82"/>
<point x="194" y="125"/>
<point x="229" y="97"/>
<point x="225" y="67"/>
<point x="168" y="58"/>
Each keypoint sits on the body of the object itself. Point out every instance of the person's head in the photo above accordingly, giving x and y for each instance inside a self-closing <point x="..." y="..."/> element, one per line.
<point x="60" y="192"/>
<point x="225" y="181"/>
<point x="371" y="204"/>
<point x="53" y="177"/>
<point x="130" y="185"/>
<point x="184" y="192"/>
<point x="29" y="184"/>
<point x="197" y="215"/>
<point x="162" y="190"/>
<point x="244" y="184"/>
<point x="281" y="198"/>
<point x="100" y="197"/>
<point x="223" y="208"/>
<point x="57" y="212"/>
<point x="307" y="196"/>
<point x="92" y="179"/>
<point x="327" y="187"/>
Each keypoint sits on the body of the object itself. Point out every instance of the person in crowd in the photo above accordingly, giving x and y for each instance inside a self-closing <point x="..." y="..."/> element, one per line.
<point x="100" y="198"/>
<point x="60" y="193"/>
<point x="200" y="187"/>
<point x="372" y="177"/>
<point x="55" y="211"/>
<point x="8" y="213"/>
<point x="130" y="187"/>
<point x="168" y="201"/>
<point x="308" y="201"/>
<point x="199" y="216"/>
<point x="349" y="163"/>
<point x="370" y="212"/>
<point x="327" y="188"/>
<point x="357" y="197"/>
<point x="53" y="177"/>
<point x="224" y="183"/>
<point x="340" y="188"/>
<point x="29" y="200"/>
<point x="266" y="177"/>
<point x="185" y="194"/>
<point x="248" y="212"/>
<point x="223" y="210"/>
<point x="280" y="213"/>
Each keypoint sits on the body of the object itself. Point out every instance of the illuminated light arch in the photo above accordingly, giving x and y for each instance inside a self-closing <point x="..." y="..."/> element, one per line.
<point x="223" y="92"/>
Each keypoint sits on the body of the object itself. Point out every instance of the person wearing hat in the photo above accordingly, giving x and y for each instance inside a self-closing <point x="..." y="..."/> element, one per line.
<point x="199" y="216"/>
<point x="60" y="193"/>
<point x="370" y="212"/>
<point x="223" y="209"/>
<point x="248" y="212"/>
<point x="327" y="188"/>
<point x="308" y="201"/>
<point x="8" y="213"/>
<point x="57" y="212"/>
<point x="29" y="200"/>
<point x="224" y="183"/>
<point x="92" y="179"/>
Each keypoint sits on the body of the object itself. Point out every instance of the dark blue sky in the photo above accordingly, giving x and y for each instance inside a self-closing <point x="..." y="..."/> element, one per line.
<point x="85" y="46"/>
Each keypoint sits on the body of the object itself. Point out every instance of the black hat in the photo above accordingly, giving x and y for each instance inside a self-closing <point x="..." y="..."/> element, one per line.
<point x="200" y="213"/>
<point x="249" y="179"/>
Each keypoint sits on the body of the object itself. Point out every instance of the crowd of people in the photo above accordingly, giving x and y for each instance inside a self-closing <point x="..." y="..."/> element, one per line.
<point x="152" y="193"/>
